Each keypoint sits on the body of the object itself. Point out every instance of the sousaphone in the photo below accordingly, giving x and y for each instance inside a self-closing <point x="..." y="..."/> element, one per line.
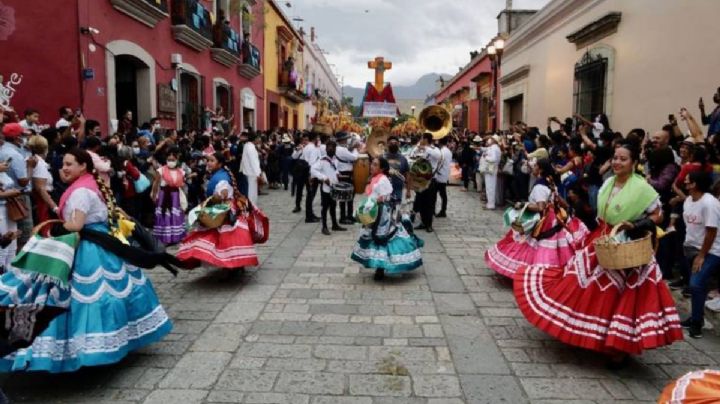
<point x="377" y="141"/>
<point x="436" y="120"/>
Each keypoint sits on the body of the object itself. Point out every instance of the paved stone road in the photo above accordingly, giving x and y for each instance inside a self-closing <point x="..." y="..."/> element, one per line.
<point x="310" y="327"/>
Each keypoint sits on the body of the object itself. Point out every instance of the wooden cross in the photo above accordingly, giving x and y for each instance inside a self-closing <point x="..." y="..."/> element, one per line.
<point x="380" y="65"/>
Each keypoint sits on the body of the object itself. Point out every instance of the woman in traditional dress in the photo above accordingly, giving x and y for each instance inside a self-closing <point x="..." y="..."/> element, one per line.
<point x="109" y="307"/>
<point x="229" y="246"/>
<point x="386" y="245"/>
<point x="556" y="240"/>
<point x="167" y="188"/>
<point x="614" y="311"/>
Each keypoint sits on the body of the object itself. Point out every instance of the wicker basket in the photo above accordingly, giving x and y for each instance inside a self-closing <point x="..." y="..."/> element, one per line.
<point x="616" y="256"/>
<point x="211" y="221"/>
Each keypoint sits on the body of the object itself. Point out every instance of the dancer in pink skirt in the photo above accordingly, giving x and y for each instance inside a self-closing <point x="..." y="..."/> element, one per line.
<point x="553" y="240"/>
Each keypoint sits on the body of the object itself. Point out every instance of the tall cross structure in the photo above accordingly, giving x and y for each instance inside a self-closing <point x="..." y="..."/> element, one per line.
<point x="380" y="65"/>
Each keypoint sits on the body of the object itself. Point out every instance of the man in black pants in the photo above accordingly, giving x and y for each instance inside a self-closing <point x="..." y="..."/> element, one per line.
<point x="425" y="200"/>
<point x="325" y="171"/>
<point x="311" y="154"/>
<point x="300" y="172"/>
<point x="442" y="176"/>
<point x="345" y="158"/>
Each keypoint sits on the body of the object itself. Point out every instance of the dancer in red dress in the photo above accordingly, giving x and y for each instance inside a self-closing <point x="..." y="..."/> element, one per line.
<point x="612" y="311"/>
<point x="229" y="246"/>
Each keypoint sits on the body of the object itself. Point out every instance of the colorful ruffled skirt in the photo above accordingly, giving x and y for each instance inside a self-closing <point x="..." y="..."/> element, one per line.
<point x="169" y="217"/>
<point x="394" y="247"/>
<point x="227" y="247"/>
<point x="585" y="305"/>
<point x="515" y="250"/>
<point x="110" y="310"/>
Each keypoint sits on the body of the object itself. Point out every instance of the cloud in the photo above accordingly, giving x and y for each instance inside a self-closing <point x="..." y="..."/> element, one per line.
<point x="418" y="36"/>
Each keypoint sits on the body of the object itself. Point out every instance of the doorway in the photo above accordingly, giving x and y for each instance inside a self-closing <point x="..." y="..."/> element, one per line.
<point x="190" y="101"/>
<point x="274" y="113"/>
<point x="514" y="109"/>
<point x="130" y="74"/>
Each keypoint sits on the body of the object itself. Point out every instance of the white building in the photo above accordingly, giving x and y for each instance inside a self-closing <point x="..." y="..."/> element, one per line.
<point x="318" y="76"/>
<point x="635" y="60"/>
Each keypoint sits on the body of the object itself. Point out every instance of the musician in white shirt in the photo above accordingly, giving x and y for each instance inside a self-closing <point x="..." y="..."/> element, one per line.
<point x="442" y="177"/>
<point x="309" y="153"/>
<point x="425" y="200"/>
<point x="345" y="158"/>
<point x="325" y="171"/>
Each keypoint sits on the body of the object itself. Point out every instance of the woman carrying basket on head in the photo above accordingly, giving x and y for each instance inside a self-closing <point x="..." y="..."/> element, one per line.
<point x="539" y="237"/>
<point x="618" y="312"/>
<point x="88" y="311"/>
<point x="228" y="243"/>
<point x="386" y="245"/>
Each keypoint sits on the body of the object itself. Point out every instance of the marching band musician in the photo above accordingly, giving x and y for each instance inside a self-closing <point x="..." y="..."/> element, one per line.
<point x="425" y="200"/>
<point x="345" y="157"/>
<point x="326" y="172"/>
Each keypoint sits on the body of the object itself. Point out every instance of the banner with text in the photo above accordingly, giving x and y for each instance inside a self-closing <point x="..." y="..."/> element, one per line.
<point x="379" y="110"/>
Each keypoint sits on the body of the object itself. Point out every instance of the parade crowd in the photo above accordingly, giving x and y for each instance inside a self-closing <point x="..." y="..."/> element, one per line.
<point x="122" y="195"/>
<point x="580" y="187"/>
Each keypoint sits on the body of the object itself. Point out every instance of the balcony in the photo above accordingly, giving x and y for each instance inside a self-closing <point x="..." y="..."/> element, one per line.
<point x="250" y="67"/>
<point x="226" y="45"/>
<point x="191" y="24"/>
<point x="148" y="12"/>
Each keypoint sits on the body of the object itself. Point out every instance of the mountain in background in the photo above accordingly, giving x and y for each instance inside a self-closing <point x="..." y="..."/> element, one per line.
<point x="425" y="86"/>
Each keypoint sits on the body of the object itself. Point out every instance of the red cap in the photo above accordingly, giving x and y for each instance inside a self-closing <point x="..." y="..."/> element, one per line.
<point x="12" y="130"/>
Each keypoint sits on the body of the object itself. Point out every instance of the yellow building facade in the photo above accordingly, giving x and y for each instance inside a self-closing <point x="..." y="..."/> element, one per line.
<point x="284" y="86"/>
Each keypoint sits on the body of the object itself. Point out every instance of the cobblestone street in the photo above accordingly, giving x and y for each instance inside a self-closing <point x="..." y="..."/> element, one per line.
<point x="310" y="327"/>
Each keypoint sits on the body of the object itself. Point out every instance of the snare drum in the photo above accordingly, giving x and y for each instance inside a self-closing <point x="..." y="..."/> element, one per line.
<point x="342" y="192"/>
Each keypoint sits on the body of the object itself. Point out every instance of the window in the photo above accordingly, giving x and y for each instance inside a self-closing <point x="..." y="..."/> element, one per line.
<point x="590" y="85"/>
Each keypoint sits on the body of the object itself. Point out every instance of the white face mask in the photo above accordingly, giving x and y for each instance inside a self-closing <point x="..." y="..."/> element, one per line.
<point x="136" y="150"/>
<point x="120" y="174"/>
<point x="156" y="126"/>
<point x="172" y="164"/>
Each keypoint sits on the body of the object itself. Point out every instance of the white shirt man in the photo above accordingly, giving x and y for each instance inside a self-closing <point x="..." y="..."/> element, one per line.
<point x="325" y="169"/>
<point x="698" y="215"/>
<point x="310" y="153"/>
<point x="345" y="158"/>
<point x="250" y="167"/>
<point x="492" y="155"/>
<point x="430" y="152"/>
<point x="443" y="172"/>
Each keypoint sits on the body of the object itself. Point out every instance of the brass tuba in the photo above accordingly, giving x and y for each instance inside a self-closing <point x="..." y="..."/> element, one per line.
<point x="436" y="120"/>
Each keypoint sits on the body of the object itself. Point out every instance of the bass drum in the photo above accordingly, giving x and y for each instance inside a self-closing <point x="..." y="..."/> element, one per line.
<point x="361" y="173"/>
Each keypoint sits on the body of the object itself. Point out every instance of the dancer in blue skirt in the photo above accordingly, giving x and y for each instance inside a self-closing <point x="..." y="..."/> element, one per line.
<point x="387" y="245"/>
<point x="108" y="308"/>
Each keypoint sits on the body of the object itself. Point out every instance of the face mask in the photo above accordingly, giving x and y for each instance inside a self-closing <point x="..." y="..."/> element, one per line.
<point x="156" y="126"/>
<point x="393" y="148"/>
<point x="136" y="150"/>
<point x="601" y="143"/>
<point x="120" y="174"/>
<point x="172" y="164"/>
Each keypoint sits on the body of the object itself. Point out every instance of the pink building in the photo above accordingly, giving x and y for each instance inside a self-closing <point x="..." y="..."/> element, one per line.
<point x="469" y="92"/>
<point x="165" y="58"/>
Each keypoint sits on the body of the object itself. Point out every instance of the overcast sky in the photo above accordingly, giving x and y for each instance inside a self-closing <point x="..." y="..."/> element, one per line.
<point x="418" y="36"/>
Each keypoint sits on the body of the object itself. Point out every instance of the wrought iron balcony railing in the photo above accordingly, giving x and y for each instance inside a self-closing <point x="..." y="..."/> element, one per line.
<point x="191" y="24"/>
